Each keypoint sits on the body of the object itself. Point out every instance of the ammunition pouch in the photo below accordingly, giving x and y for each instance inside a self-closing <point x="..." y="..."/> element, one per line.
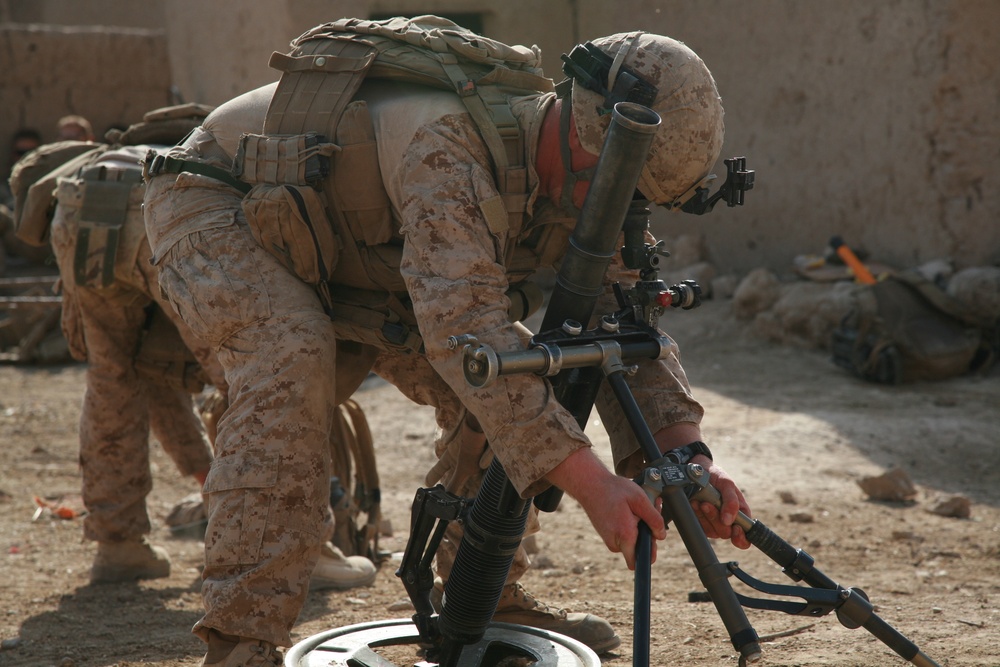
<point x="301" y="159"/>
<point x="104" y="210"/>
<point x="286" y="212"/>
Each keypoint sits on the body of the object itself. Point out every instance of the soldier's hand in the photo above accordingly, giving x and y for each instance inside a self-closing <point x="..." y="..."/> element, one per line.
<point x="719" y="523"/>
<point x="615" y="505"/>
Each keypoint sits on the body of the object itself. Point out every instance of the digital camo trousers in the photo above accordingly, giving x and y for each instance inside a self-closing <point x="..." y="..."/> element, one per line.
<point x="120" y="408"/>
<point x="268" y="490"/>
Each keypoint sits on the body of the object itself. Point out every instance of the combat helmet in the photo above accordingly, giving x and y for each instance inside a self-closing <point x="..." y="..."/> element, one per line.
<point x="667" y="76"/>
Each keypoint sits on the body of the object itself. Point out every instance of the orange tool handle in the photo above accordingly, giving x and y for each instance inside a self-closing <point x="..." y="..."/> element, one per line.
<point x="861" y="272"/>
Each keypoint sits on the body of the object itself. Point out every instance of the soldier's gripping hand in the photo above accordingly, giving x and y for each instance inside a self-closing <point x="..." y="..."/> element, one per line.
<point x="615" y="505"/>
<point x="716" y="522"/>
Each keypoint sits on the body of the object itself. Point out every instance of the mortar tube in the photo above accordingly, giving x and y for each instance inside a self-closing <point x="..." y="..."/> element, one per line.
<point x="592" y="246"/>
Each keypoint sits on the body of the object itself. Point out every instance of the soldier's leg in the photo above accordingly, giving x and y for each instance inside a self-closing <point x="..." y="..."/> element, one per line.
<point x="114" y="445"/>
<point x="114" y="423"/>
<point x="103" y="328"/>
<point x="174" y="421"/>
<point x="268" y="488"/>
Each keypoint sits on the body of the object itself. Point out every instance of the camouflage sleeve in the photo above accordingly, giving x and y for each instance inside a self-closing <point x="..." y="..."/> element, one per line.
<point x="453" y="271"/>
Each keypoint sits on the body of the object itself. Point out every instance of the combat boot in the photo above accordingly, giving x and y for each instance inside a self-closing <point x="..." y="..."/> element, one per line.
<point x="231" y="651"/>
<point x="521" y="607"/>
<point x="336" y="571"/>
<point x="187" y="518"/>
<point x="128" y="561"/>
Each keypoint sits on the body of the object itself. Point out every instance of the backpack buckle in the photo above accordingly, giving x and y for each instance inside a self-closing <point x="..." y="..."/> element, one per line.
<point x="151" y="165"/>
<point x="465" y="88"/>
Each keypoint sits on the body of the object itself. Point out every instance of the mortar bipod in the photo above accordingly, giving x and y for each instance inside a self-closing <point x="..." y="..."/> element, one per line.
<point x="677" y="485"/>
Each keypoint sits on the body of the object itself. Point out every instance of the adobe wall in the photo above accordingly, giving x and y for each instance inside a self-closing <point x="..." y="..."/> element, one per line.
<point x="225" y="52"/>
<point x="108" y="76"/>
<point x="874" y="121"/>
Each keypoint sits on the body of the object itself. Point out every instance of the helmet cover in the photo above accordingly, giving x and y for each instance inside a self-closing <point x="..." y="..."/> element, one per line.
<point x="691" y="132"/>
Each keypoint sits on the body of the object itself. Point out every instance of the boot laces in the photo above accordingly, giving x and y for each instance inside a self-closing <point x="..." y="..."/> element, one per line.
<point x="520" y="598"/>
<point x="267" y="656"/>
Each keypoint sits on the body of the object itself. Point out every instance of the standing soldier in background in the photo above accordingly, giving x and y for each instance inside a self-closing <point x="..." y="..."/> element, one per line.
<point x="23" y="141"/>
<point x="427" y="222"/>
<point x="75" y="128"/>
<point x="143" y="364"/>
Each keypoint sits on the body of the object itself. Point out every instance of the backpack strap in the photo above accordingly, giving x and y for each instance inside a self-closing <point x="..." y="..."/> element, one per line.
<point x="319" y="79"/>
<point x="490" y="110"/>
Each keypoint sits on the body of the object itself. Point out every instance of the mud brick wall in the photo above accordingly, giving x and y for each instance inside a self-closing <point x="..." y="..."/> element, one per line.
<point x="111" y="76"/>
<point x="877" y="121"/>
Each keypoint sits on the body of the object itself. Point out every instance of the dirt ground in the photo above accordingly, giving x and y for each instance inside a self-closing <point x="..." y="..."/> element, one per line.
<point x="794" y="430"/>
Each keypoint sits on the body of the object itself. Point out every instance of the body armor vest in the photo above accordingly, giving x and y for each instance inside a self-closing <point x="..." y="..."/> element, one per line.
<point x="318" y="148"/>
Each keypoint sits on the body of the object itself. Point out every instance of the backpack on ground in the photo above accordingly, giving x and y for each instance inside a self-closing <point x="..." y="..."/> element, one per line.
<point x="355" y="493"/>
<point x="905" y="328"/>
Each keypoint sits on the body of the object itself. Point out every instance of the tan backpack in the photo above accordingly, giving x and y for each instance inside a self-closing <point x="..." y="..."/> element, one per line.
<point x="905" y="328"/>
<point x="299" y="165"/>
<point x="35" y="177"/>
<point x="33" y="182"/>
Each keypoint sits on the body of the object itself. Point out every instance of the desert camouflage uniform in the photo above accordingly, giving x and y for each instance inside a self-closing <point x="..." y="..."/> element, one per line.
<point x="103" y="326"/>
<point x="267" y="488"/>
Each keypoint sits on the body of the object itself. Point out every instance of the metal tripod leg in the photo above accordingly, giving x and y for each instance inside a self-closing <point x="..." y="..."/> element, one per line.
<point x="714" y="575"/>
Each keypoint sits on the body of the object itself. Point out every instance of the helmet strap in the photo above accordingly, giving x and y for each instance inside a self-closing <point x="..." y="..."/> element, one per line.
<point x="608" y="76"/>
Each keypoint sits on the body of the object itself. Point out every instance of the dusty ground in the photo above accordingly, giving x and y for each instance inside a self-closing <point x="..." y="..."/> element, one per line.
<point x="794" y="430"/>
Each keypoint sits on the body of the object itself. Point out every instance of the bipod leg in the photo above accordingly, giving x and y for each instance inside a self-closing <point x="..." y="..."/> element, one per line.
<point x="430" y="514"/>
<point x="853" y="611"/>
<point x="713" y="574"/>
<point x="641" y="614"/>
